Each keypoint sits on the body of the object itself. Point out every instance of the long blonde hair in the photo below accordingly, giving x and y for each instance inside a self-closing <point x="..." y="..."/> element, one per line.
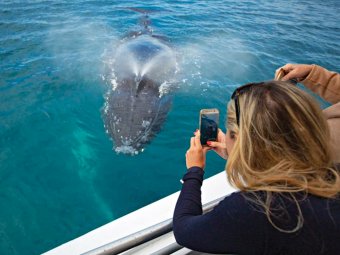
<point x="283" y="145"/>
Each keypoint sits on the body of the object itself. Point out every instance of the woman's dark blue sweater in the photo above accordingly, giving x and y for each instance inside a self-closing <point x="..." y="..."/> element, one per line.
<point x="237" y="225"/>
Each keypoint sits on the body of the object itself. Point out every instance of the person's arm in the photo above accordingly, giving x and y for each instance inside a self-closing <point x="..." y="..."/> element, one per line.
<point x="231" y="227"/>
<point x="324" y="83"/>
<point x="318" y="79"/>
<point x="189" y="226"/>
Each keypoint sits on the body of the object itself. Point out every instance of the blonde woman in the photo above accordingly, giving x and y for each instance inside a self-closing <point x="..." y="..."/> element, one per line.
<point x="279" y="157"/>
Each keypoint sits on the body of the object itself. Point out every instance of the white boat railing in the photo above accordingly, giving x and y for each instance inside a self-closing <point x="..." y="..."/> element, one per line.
<point x="145" y="235"/>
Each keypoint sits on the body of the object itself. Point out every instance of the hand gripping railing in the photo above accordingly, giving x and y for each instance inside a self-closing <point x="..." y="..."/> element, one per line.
<point x="143" y="236"/>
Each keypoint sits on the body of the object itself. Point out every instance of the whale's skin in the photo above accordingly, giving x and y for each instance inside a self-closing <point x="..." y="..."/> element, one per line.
<point x="136" y="105"/>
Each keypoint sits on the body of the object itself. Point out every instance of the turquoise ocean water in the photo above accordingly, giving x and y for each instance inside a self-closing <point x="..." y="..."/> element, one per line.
<point x="59" y="177"/>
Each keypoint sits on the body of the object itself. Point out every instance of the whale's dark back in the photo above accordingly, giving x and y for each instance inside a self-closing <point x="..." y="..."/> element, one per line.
<point x="133" y="117"/>
<point x="135" y="107"/>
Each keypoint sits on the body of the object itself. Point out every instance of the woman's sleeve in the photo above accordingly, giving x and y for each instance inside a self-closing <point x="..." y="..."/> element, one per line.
<point x="327" y="85"/>
<point x="324" y="83"/>
<point x="229" y="228"/>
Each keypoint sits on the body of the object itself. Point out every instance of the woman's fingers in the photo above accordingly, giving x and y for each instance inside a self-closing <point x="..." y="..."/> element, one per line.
<point x="217" y="145"/>
<point x="220" y="136"/>
<point x="286" y="68"/>
<point x="281" y="72"/>
<point x="205" y="149"/>
<point x="197" y="139"/>
<point x="195" y="156"/>
<point x="291" y="75"/>
<point x="219" y="148"/>
<point x="192" y="142"/>
<point x="293" y="71"/>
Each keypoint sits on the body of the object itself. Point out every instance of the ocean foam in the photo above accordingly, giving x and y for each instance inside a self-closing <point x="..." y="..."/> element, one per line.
<point x="126" y="149"/>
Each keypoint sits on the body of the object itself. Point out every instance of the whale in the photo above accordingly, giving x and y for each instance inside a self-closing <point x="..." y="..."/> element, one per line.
<point x="139" y="96"/>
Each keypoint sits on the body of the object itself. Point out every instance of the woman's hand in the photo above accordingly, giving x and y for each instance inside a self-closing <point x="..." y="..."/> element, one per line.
<point x="195" y="156"/>
<point x="219" y="146"/>
<point x="294" y="71"/>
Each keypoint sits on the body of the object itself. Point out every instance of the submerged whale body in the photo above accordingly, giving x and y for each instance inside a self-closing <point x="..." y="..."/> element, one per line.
<point x="137" y="103"/>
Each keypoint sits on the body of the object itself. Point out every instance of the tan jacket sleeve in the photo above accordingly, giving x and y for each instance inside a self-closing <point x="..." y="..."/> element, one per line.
<point x="327" y="85"/>
<point x="324" y="83"/>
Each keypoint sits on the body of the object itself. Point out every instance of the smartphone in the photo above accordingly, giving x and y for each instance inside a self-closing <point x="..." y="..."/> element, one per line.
<point x="209" y="121"/>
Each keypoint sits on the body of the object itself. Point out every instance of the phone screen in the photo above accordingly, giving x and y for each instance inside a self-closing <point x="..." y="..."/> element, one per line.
<point x="209" y="127"/>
